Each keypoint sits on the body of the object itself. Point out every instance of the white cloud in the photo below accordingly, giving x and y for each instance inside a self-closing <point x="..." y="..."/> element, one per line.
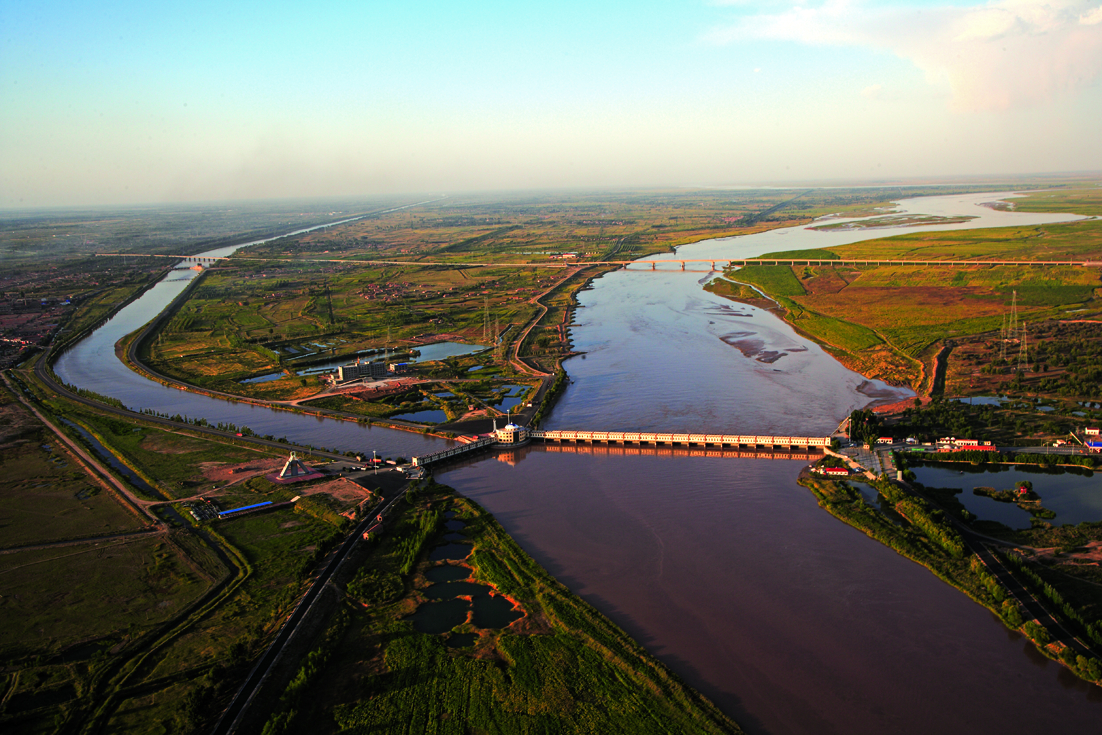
<point x="1006" y="53"/>
<point x="872" y="91"/>
<point x="1091" y="17"/>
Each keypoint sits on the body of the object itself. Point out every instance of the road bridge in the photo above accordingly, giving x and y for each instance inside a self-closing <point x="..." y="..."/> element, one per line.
<point x="443" y="454"/>
<point x="712" y="263"/>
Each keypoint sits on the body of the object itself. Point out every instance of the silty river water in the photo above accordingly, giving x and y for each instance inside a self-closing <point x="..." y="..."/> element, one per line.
<point x="724" y="568"/>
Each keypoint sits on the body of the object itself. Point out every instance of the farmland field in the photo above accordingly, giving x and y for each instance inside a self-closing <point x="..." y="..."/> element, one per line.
<point x="889" y="321"/>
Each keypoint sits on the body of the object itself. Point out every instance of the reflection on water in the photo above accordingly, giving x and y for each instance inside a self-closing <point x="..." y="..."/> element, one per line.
<point x="514" y="456"/>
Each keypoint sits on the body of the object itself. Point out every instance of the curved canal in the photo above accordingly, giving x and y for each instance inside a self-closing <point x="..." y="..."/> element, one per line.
<point x="725" y="568"/>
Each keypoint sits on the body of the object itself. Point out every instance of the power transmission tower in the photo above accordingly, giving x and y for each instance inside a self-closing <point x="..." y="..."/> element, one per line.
<point x="485" y="319"/>
<point x="1023" y="350"/>
<point x="1012" y="327"/>
<point x="1002" y="340"/>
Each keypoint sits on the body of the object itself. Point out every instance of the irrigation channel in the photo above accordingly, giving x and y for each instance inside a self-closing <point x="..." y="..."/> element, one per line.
<point x="724" y="568"/>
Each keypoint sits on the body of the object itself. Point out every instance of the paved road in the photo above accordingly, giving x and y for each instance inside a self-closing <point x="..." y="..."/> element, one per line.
<point x="1033" y="607"/>
<point x="646" y="260"/>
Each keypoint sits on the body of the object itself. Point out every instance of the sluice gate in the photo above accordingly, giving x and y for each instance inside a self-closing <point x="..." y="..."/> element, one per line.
<point x="734" y="441"/>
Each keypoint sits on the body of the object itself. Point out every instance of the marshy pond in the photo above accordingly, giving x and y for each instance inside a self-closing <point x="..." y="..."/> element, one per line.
<point x="454" y="599"/>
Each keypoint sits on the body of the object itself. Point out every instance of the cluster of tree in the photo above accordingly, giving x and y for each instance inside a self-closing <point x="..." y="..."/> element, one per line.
<point x="374" y="586"/>
<point x="931" y="521"/>
<point x="419" y="532"/>
<point x="282" y="720"/>
<point x="1092" y="628"/>
<point x="199" y="708"/>
<point x="864" y="426"/>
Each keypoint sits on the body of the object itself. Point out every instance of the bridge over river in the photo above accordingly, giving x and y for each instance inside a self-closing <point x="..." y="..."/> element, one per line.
<point x="755" y="444"/>
<point x="206" y="261"/>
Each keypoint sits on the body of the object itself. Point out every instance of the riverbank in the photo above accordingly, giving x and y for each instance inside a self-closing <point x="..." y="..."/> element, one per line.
<point x="922" y="533"/>
<point x="126" y="352"/>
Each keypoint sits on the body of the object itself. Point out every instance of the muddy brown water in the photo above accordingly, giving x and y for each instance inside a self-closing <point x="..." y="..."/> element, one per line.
<point x="791" y="621"/>
<point x="725" y="568"/>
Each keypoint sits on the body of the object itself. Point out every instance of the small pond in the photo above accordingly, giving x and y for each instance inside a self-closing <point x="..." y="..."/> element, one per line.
<point x="447" y="573"/>
<point x="1074" y="496"/>
<point x="514" y="395"/>
<point x="449" y="607"/>
<point x="450" y="552"/>
<point x="441" y="350"/>
<point x="435" y="618"/>
<point x="461" y="640"/>
<point x="982" y="400"/>
<point x="262" y="378"/>
<point x="431" y="416"/>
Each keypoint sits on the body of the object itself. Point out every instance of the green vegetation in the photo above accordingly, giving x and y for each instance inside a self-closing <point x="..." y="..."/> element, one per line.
<point x="890" y="321"/>
<point x="1015" y="422"/>
<point x="776" y="280"/>
<point x="293" y="302"/>
<point x="562" y="667"/>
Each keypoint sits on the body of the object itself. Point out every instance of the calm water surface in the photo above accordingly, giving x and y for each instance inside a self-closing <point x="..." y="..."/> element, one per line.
<point x="1074" y="497"/>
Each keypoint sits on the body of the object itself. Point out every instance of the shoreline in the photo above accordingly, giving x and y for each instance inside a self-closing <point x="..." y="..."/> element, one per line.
<point x="992" y="572"/>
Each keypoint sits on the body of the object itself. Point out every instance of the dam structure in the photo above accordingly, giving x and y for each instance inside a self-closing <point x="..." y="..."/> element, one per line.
<point x="734" y="441"/>
<point x="755" y="445"/>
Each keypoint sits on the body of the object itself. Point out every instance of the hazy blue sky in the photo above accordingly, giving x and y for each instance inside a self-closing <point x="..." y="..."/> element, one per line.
<point x="119" y="102"/>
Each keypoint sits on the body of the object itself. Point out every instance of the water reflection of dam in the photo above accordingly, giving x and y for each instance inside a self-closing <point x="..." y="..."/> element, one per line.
<point x="620" y="450"/>
<point x="513" y="456"/>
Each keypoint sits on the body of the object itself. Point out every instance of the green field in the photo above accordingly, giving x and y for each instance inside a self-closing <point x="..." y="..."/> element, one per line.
<point x="47" y="498"/>
<point x="888" y="321"/>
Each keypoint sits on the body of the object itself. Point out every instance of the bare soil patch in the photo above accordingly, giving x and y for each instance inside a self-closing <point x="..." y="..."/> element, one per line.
<point x="224" y="473"/>
<point x="340" y="488"/>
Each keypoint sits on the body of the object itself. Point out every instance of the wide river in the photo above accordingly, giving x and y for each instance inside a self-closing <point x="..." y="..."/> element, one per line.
<point x="724" y="568"/>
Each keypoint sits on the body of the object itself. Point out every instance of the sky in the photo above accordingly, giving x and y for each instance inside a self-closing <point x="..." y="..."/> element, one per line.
<point x="119" y="102"/>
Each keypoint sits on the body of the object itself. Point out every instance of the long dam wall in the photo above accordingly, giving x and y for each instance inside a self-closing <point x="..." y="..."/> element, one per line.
<point x="749" y="441"/>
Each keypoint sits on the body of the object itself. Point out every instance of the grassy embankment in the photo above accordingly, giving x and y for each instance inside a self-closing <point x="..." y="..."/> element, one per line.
<point x="923" y="533"/>
<point x="889" y="321"/>
<point x="562" y="667"/>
